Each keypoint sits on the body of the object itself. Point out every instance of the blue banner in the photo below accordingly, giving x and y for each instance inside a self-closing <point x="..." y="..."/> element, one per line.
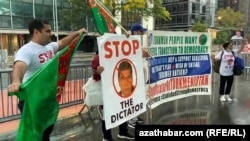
<point x="179" y="65"/>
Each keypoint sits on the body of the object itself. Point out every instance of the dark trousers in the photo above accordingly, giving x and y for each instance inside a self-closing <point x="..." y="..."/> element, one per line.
<point x="47" y="132"/>
<point x="123" y="129"/>
<point x="226" y="83"/>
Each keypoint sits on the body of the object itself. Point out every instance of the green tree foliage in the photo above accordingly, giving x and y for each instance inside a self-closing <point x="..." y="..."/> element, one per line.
<point x="78" y="10"/>
<point x="144" y="8"/>
<point x="228" y="18"/>
<point x="199" y="27"/>
<point x="75" y="14"/>
<point x="222" y="36"/>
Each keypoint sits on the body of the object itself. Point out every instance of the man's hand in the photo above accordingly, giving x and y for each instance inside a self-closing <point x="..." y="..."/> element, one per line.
<point x="127" y="34"/>
<point x="83" y="30"/>
<point x="14" y="87"/>
<point x="17" y="76"/>
<point x="146" y="53"/>
<point x="68" y="39"/>
<point x="99" y="69"/>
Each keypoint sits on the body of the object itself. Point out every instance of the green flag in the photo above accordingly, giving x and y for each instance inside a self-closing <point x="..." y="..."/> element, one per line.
<point x="39" y="93"/>
<point x="102" y="17"/>
<point x="41" y="107"/>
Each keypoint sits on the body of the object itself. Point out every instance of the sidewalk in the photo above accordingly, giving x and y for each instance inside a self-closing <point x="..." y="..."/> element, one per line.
<point x="8" y="129"/>
<point x="193" y="110"/>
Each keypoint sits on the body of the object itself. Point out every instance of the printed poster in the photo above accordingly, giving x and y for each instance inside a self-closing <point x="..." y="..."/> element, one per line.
<point x="180" y="67"/>
<point x="123" y="84"/>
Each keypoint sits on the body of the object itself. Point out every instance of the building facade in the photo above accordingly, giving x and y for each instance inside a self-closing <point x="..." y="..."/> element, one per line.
<point x="234" y="4"/>
<point x="185" y="13"/>
<point x="238" y="5"/>
<point x="16" y="14"/>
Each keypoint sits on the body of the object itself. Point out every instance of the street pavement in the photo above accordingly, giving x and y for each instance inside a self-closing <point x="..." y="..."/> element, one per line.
<point x="205" y="110"/>
<point x="201" y="110"/>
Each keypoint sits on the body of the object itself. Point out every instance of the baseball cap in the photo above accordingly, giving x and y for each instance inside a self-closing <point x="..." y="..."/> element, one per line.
<point x="137" y="27"/>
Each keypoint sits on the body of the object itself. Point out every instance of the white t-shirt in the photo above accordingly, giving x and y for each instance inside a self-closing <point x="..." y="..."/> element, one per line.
<point x="227" y="62"/>
<point x="235" y="37"/>
<point x="35" y="55"/>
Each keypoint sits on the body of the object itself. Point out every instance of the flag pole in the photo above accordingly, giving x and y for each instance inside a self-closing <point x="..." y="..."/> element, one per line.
<point x="149" y="97"/>
<point x="111" y="16"/>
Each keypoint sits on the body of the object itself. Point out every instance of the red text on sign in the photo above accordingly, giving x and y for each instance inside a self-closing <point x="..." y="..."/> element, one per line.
<point x="114" y="48"/>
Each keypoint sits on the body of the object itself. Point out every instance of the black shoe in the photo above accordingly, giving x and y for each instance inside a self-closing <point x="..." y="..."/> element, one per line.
<point x="125" y="136"/>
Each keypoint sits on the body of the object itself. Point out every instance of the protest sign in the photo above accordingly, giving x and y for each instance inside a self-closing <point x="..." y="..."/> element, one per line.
<point x="123" y="83"/>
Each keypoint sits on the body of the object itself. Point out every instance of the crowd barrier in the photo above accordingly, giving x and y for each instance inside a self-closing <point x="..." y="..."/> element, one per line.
<point x="72" y="95"/>
<point x="246" y="57"/>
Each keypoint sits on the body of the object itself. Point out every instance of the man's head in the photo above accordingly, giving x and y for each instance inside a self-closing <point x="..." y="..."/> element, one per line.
<point x="125" y="78"/>
<point x="40" y="31"/>
<point x="238" y="33"/>
<point x="137" y="29"/>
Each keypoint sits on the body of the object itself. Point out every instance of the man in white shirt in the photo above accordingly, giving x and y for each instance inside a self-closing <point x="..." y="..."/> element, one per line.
<point x="237" y="36"/>
<point x="237" y="39"/>
<point x="34" y="55"/>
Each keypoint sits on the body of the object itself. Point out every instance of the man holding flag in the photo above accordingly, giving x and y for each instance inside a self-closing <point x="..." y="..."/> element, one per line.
<point x="28" y="60"/>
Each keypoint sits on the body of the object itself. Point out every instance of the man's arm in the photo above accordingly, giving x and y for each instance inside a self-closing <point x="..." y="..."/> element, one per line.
<point x="214" y="59"/>
<point x="243" y="44"/>
<point x="68" y="39"/>
<point x="17" y="76"/>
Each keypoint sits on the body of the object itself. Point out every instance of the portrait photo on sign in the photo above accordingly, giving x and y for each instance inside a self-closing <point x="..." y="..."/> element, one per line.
<point x="124" y="78"/>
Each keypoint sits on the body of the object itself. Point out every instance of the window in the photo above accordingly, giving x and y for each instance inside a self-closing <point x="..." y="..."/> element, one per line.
<point x="195" y="7"/>
<point x="180" y="8"/>
<point x="17" y="8"/>
<point x="174" y="20"/>
<point x="29" y="1"/>
<point x="169" y="8"/>
<point x="179" y="19"/>
<point x="48" y="11"/>
<point x="157" y="22"/>
<point x="39" y="10"/>
<point x="185" y="19"/>
<point x="27" y="9"/>
<point x="22" y="9"/>
<point x="59" y="3"/>
<point x="203" y="18"/>
<point x="185" y="9"/>
<point x="174" y="8"/>
<point x="203" y="9"/>
<point x="5" y="21"/>
<point x="4" y="8"/>
<point x="26" y="21"/>
<point x="39" y="1"/>
<point x="48" y="2"/>
<point x="19" y="23"/>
